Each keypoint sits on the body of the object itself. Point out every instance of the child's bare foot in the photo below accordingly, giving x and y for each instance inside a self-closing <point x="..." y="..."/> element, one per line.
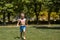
<point x="24" y="38"/>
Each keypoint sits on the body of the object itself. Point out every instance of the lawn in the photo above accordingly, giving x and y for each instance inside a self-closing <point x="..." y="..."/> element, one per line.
<point x="32" y="33"/>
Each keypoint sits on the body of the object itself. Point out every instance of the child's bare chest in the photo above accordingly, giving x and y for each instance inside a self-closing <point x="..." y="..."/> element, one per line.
<point x="22" y="21"/>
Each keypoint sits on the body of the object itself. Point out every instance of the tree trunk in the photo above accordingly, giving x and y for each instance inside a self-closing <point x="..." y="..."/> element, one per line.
<point x="36" y="14"/>
<point x="49" y="15"/>
<point x="59" y="16"/>
<point x="4" y="19"/>
<point x="8" y="17"/>
<point x="37" y="10"/>
<point x="36" y="18"/>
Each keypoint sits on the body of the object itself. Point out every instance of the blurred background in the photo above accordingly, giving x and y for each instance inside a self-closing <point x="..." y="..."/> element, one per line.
<point x="36" y="11"/>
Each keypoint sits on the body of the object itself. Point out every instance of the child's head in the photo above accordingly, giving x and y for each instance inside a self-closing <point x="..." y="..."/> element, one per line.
<point x="22" y="15"/>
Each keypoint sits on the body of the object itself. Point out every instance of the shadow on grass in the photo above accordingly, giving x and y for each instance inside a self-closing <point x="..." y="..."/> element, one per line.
<point x="46" y="27"/>
<point x="17" y="37"/>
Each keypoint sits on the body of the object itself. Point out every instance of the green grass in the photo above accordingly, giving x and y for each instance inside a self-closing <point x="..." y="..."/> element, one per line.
<point x="31" y="34"/>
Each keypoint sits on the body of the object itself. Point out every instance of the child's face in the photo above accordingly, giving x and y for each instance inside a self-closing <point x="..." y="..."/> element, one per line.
<point x="22" y="15"/>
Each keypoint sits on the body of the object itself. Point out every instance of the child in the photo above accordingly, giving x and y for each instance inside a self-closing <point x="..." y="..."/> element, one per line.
<point x="22" y="21"/>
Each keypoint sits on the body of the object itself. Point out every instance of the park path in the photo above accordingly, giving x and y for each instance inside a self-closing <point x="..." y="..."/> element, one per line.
<point x="52" y="25"/>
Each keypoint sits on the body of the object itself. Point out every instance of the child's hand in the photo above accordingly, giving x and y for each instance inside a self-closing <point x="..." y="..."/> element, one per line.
<point x="17" y="25"/>
<point x="26" y="25"/>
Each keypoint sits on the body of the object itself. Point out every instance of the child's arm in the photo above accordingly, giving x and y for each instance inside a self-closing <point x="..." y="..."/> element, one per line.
<point x="26" y="22"/>
<point x="18" y="22"/>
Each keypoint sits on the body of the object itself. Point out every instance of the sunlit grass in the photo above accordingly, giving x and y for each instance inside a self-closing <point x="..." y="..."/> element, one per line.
<point x="31" y="34"/>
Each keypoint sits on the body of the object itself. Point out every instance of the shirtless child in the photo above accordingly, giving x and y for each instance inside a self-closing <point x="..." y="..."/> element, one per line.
<point x="22" y="21"/>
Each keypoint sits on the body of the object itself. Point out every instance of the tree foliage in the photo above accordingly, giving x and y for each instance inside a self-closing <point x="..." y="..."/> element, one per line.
<point x="29" y="7"/>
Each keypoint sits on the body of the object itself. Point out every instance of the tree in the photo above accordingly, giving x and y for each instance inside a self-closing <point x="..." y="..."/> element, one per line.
<point x="2" y="10"/>
<point x="49" y="5"/>
<point x="9" y="10"/>
<point x="37" y="8"/>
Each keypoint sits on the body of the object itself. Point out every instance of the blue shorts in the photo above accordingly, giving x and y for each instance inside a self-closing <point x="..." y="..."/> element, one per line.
<point x="22" y="28"/>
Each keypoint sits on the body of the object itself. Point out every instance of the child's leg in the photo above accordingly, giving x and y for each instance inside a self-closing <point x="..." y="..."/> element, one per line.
<point x="21" y="35"/>
<point x="21" y="32"/>
<point x="24" y="33"/>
